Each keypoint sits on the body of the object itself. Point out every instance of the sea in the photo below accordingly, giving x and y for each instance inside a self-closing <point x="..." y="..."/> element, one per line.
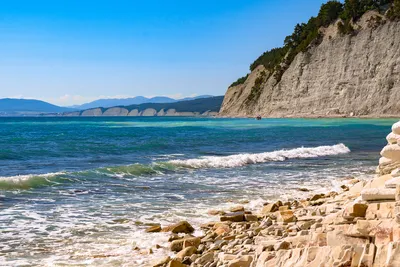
<point x="81" y="191"/>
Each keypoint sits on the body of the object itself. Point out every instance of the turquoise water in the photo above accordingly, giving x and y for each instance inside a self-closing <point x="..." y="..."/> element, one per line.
<point x="80" y="190"/>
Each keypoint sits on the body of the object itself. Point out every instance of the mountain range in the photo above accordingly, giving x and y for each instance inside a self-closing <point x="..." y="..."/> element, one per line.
<point x="106" y="103"/>
<point x="29" y="106"/>
<point x="15" y="107"/>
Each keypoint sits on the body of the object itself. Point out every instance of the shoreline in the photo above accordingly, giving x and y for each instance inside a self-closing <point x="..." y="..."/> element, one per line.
<point x="355" y="227"/>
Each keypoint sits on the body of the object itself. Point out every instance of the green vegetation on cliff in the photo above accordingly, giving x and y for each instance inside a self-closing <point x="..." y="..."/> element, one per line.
<point x="277" y="60"/>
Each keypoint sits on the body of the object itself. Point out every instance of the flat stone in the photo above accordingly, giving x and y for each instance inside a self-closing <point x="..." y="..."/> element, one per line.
<point x="205" y="258"/>
<point x="378" y="194"/>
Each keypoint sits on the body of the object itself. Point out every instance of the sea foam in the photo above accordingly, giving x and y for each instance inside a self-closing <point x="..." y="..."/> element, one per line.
<point x="246" y="159"/>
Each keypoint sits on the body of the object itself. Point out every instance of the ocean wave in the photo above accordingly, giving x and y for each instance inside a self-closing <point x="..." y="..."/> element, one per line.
<point x="160" y="168"/>
<point x="28" y="181"/>
<point x="246" y="159"/>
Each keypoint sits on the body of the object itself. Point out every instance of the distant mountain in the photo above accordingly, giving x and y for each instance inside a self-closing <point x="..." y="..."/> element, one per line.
<point x="106" y="103"/>
<point x="208" y="106"/>
<point x="196" y="97"/>
<point x="28" y="106"/>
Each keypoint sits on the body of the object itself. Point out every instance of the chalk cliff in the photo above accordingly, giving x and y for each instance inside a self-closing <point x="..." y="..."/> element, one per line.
<point x="344" y="75"/>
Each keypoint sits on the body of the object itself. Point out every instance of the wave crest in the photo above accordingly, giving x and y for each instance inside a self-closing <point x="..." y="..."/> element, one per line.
<point x="246" y="159"/>
<point x="28" y="181"/>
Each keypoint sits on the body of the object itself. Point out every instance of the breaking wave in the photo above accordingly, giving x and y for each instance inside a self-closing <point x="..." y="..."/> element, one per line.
<point x="246" y="159"/>
<point x="159" y="168"/>
<point x="29" y="181"/>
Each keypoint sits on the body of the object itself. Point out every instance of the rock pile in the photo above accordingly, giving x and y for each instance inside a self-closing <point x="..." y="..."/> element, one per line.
<point x="356" y="227"/>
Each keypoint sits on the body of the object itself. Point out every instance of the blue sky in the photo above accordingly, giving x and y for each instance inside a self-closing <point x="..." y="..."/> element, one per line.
<point x="71" y="52"/>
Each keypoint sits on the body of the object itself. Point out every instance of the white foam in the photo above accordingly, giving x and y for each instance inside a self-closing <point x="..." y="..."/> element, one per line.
<point x="246" y="159"/>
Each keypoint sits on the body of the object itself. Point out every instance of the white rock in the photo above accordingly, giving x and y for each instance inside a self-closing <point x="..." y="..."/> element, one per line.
<point x="396" y="128"/>
<point x="384" y="161"/>
<point x="392" y="138"/>
<point x="378" y="194"/>
<point x="395" y="173"/>
<point x="391" y="152"/>
<point x="392" y="183"/>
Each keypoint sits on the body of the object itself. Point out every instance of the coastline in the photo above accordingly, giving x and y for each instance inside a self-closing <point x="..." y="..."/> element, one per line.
<point x="354" y="227"/>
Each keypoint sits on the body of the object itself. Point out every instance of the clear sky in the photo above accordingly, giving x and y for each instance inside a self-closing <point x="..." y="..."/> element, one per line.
<point x="70" y="52"/>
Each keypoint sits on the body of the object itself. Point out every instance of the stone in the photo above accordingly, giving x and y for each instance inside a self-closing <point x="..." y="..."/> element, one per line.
<point x="392" y="138"/>
<point x="317" y="197"/>
<point x="244" y="261"/>
<point x="378" y="194"/>
<point x="162" y="262"/>
<point x="269" y="208"/>
<point x="356" y="210"/>
<point x="285" y="216"/>
<point x="176" y="263"/>
<point x="391" y="152"/>
<point x="181" y="227"/>
<point x="154" y="229"/>
<point x="282" y="245"/>
<point x="178" y="245"/>
<point x="233" y="217"/>
<point x="186" y="252"/>
<point x="357" y="188"/>
<point x="236" y="209"/>
<point x="205" y="258"/>
<point x="250" y="218"/>
<point x="396" y="128"/>
<point x="222" y="229"/>
<point x="392" y="183"/>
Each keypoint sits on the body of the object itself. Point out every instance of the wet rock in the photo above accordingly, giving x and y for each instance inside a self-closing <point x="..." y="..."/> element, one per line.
<point x="236" y="209"/>
<point x="181" y="227"/>
<point x="233" y="217"/>
<point x="317" y="197"/>
<point x="154" y="229"/>
<point x="180" y="244"/>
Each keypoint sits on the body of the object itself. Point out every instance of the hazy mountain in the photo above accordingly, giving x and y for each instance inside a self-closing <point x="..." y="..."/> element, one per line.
<point x="31" y="106"/>
<point x="106" y="103"/>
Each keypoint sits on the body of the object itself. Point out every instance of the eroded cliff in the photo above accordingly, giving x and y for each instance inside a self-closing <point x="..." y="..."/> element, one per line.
<point x="344" y="75"/>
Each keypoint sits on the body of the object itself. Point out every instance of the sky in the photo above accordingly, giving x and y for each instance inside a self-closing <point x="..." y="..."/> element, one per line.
<point x="71" y="52"/>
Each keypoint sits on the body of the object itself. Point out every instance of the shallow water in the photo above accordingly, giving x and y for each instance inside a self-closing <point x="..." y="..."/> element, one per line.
<point x="79" y="190"/>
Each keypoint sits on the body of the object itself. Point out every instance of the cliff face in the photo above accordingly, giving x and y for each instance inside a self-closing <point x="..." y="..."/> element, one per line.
<point x="343" y="76"/>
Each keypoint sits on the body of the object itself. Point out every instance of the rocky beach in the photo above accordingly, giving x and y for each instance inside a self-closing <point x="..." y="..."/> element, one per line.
<point x="356" y="226"/>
